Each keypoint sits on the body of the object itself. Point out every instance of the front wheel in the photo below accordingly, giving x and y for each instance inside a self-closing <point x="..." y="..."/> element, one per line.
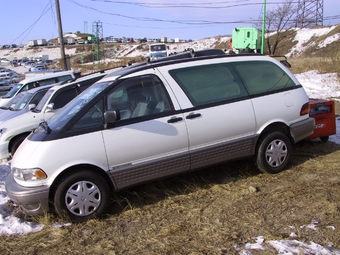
<point x="81" y="196"/>
<point x="274" y="152"/>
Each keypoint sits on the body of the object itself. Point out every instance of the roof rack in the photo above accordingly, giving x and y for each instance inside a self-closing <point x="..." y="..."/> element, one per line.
<point x="190" y="53"/>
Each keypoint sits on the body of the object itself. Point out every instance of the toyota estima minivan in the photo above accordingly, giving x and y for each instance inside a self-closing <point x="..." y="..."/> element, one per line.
<point x="152" y="120"/>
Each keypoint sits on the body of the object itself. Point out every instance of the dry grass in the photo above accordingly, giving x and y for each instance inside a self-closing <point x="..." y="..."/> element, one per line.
<point x="210" y="211"/>
<point x="321" y="64"/>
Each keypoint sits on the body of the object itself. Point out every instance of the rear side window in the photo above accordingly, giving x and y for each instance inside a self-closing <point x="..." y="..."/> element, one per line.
<point x="209" y="84"/>
<point x="263" y="76"/>
<point x="47" y="81"/>
<point x="63" y="98"/>
<point x="64" y="78"/>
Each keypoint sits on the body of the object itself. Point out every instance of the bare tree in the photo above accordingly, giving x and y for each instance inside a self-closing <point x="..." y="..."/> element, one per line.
<point x="280" y="21"/>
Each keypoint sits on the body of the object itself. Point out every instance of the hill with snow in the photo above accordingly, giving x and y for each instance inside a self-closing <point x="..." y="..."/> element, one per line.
<point x="299" y="42"/>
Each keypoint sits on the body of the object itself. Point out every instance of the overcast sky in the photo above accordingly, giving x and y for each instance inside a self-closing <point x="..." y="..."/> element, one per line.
<point x="24" y="20"/>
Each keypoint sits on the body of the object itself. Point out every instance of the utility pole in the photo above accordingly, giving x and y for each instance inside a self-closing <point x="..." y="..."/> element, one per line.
<point x="61" y="38"/>
<point x="263" y="26"/>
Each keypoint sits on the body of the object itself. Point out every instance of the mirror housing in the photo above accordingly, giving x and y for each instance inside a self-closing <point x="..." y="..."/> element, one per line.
<point x="31" y="107"/>
<point x="110" y="117"/>
<point x="49" y="107"/>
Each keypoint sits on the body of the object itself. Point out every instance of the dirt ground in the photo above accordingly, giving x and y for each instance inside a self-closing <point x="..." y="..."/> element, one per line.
<point x="212" y="211"/>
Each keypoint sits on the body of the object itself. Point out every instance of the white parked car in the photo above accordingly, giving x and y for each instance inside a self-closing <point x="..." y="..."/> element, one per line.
<point x="14" y="130"/>
<point x="37" y="81"/>
<point x="22" y="103"/>
<point x="157" y="119"/>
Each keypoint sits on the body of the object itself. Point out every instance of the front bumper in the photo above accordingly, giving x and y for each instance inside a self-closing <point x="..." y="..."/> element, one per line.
<point x="302" y="129"/>
<point x="4" y="153"/>
<point x="32" y="200"/>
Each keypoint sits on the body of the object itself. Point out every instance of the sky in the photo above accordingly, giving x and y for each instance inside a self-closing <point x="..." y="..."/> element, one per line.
<point x="24" y="20"/>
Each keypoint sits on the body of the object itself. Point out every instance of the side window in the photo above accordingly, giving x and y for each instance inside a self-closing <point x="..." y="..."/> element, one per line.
<point x="263" y="76"/>
<point x="37" y="97"/>
<point x="139" y="96"/>
<point x="47" y="82"/>
<point x="93" y="117"/>
<point x="64" y="78"/>
<point x="63" y="98"/>
<point x="209" y="84"/>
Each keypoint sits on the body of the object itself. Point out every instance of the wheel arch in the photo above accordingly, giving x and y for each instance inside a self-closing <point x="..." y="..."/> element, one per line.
<point x="275" y="126"/>
<point x="74" y="168"/>
<point x="15" y="138"/>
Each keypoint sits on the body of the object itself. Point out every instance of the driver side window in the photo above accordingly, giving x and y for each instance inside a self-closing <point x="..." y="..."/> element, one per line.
<point x="93" y="117"/>
<point x="137" y="97"/>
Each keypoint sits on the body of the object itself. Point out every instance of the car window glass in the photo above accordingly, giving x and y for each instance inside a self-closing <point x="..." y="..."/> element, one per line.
<point x="63" y="98"/>
<point x="138" y="97"/>
<point x="47" y="81"/>
<point x="13" y="90"/>
<point x="37" y="97"/>
<point x="24" y="99"/>
<point x="93" y="117"/>
<point x="209" y="83"/>
<point x="62" y="118"/>
<point x="263" y="76"/>
<point x="64" y="78"/>
<point x="43" y="101"/>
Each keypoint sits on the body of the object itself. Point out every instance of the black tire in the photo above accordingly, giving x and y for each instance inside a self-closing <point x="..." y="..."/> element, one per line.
<point x="16" y="143"/>
<point x="273" y="153"/>
<point x="81" y="195"/>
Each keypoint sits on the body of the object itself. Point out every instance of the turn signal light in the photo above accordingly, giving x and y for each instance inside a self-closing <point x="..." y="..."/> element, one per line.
<point x="305" y="109"/>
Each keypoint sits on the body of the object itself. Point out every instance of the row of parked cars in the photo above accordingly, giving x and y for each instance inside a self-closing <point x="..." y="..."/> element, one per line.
<point x="148" y="121"/>
<point x="7" y="78"/>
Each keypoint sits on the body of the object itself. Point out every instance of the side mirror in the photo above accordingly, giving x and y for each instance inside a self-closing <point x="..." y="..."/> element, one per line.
<point x="49" y="107"/>
<point x="110" y="117"/>
<point x="31" y="106"/>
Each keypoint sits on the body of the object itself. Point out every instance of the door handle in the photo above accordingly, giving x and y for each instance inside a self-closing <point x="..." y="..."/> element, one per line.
<point x="175" y="119"/>
<point x="193" y="115"/>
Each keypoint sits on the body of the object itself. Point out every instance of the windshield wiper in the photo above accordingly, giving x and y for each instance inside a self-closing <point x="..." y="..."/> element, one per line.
<point x="45" y="126"/>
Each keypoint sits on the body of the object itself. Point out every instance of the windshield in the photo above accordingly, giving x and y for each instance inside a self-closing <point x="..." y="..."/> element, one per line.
<point x="60" y="119"/>
<point x="24" y="99"/>
<point x="43" y="101"/>
<point x="158" y="47"/>
<point x="14" y="90"/>
<point x="12" y="101"/>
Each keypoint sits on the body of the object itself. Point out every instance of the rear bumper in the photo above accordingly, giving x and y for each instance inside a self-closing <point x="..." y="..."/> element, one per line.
<point x="32" y="200"/>
<point x="302" y="129"/>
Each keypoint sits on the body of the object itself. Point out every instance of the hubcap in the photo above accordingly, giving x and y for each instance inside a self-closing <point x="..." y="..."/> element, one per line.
<point x="83" y="198"/>
<point x="276" y="153"/>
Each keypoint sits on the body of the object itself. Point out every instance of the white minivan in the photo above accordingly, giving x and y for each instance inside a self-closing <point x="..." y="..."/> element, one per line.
<point x="157" y="119"/>
<point x="37" y="81"/>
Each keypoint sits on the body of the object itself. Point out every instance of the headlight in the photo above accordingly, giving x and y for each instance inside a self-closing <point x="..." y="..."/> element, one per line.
<point x="33" y="174"/>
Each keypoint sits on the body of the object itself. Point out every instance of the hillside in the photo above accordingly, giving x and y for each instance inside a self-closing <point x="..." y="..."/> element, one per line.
<point x="297" y="43"/>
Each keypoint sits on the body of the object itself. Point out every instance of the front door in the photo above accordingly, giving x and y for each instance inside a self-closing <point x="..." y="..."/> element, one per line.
<point x="150" y="141"/>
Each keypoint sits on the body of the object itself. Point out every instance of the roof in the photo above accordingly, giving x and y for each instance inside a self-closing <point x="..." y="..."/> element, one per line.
<point x="187" y="56"/>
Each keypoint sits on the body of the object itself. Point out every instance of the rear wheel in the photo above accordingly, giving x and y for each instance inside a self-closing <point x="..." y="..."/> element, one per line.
<point x="273" y="153"/>
<point x="81" y="196"/>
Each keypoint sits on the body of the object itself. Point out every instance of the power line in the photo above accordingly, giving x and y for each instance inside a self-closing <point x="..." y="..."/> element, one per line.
<point x="29" y="29"/>
<point x="206" y="5"/>
<point x="196" y="23"/>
